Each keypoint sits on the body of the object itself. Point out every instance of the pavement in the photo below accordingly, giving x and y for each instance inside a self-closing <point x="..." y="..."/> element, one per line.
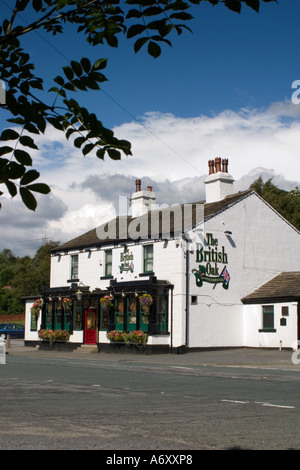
<point x="234" y="357"/>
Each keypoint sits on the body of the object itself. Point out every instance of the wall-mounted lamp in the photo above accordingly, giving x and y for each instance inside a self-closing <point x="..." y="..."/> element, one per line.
<point x="78" y="295"/>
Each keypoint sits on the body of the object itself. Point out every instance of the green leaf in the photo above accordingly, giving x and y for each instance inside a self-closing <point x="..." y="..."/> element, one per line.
<point x="37" y="5"/>
<point x="59" y="80"/>
<point x="87" y="148"/>
<point x="152" y="10"/>
<point x="100" y="153"/>
<point x="23" y="157"/>
<point x="11" y="188"/>
<point x="28" y="142"/>
<point x="139" y="43"/>
<point x="9" y="134"/>
<point x="253" y="4"/>
<point x="181" y="16"/>
<point x="29" y="176"/>
<point x="79" y="141"/>
<point x="15" y="171"/>
<point x="68" y="72"/>
<point x="100" y="64"/>
<point x="134" y="14"/>
<point x="76" y="67"/>
<point x="86" y="64"/>
<point x="39" y="188"/>
<point x="114" y="154"/>
<point x="90" y="83"/>
<point x="5" y="149"/>
<point x="135" y="29"/>
<point x="31" y="128"/>
<point x="234" y="5"/>
<point x="154" y="49"/>
<point x="37" y="83"/>
<point x="28" y="198"/>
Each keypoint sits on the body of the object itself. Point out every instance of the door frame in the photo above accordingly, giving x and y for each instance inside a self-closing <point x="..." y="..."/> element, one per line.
<point x="90" y="334"/>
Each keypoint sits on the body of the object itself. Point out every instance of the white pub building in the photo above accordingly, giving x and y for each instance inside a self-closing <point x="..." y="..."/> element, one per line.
<point x="221" y="273"/>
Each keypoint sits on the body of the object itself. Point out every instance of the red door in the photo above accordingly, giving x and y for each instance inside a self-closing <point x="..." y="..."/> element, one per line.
<point x="90" y="335"/>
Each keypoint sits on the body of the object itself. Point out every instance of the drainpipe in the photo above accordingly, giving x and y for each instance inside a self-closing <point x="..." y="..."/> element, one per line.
<point x="187" y="289"/>
<point x="171" y="342"/>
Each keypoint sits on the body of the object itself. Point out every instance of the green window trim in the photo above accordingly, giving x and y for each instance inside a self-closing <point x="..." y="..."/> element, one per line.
<point x="74" y="267"/>
<point x="148" y="259"/>
<point x="267" y="319"/>
<point x="108" y="263"/>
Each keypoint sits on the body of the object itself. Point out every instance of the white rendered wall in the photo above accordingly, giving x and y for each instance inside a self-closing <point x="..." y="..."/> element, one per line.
<point x="285" y="335"/>
<point x="261" y="246"/>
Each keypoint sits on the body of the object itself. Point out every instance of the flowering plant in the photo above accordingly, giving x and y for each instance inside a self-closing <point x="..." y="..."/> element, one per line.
<point x="145" y="299"/>
<point x="137" y="337"/>
<point x="54" y="335"/>
<point x="116" y="335"/>
<point x="37" y="306"/>
<point x="67" y="303"/>
<point x="106" y="301"/>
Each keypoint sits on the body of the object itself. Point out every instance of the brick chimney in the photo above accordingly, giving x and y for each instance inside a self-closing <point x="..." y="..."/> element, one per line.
<point x="219" y="182"/>
<point x="141" y="200"/>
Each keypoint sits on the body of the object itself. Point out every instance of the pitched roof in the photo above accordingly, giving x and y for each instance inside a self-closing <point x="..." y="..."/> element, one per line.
<point x="152" y="226"/>
<point x="283" y="287"/>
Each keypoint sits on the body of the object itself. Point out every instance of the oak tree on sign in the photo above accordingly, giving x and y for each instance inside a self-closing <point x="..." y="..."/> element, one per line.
<point x="149" y="22"/>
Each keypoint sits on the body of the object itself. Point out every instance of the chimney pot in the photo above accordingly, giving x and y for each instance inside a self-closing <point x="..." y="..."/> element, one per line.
<point x="218" y="164"/>
<point x="149" y="188"/>
<point x="225" y="165"/>
<point x="211" y="167"/>
<point x="138" y="185"/>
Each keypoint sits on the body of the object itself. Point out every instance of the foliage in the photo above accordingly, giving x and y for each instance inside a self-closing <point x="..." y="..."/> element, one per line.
<point x="54" y="335"/>
<point x="37" y="306"/>
<point x="136" y="337"/>
<point x="106" y="301"/>
<point x="287" y="203"/>
<point x="145" y="299"/>
<point x="67" y="303"/>
<point x="150" y="23"/>
<point x="23" y="277"/>
<point x="116" y="336"/>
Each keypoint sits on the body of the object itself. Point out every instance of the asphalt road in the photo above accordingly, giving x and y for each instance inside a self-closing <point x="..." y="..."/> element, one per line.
<point x="160" y="403"/>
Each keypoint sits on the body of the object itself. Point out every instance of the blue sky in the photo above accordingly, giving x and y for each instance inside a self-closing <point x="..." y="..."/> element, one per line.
<point x="223" y="90"/>
<point x="229" y="61"/>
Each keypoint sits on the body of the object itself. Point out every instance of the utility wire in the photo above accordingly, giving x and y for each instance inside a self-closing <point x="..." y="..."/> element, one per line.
<point x="111" y="98"/>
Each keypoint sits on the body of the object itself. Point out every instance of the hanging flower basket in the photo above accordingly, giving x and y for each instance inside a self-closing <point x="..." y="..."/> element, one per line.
<point x="37" y="306"/>
<point x="106" y="302"/>
<point x="145" y="300"/>
<point x="67" y="303"/>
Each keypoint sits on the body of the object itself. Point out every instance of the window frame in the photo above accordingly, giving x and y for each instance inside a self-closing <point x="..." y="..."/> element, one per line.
<point x="74" y="267"/>
<point x="107" y="263"/>
<point x="267" y="310"/>
<point x="147" y="258"/>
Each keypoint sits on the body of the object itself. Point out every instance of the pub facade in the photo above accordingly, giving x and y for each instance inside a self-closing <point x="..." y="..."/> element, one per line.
<point x="182" y="275"/>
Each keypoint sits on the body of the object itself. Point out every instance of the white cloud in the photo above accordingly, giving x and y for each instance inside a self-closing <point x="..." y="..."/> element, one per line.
<point x="170" y="153"/>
